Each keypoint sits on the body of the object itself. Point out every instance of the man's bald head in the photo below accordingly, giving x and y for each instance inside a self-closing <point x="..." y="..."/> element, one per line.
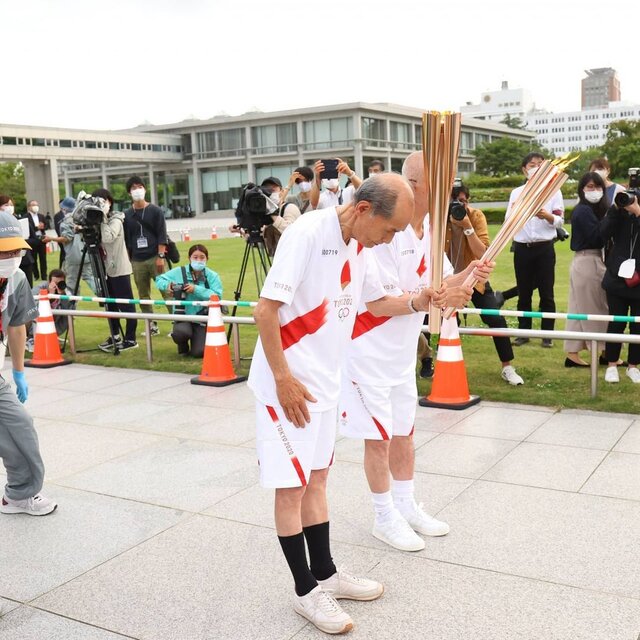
<point x="413" y="171"/>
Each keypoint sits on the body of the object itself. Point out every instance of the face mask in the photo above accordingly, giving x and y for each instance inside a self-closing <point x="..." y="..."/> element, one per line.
<point x="137" y="194"/>
<point x="531" y="172"/>
<point x="593" y="196"/>
<point x="333" y="183"/>
<point x="9" y="208"/>
<point x="9" y="266"/>
<point x="372" y="174"/>
<point x="196" y="265"/>
<point x="603" y="173"/>
<point x="106" y="205"/>
<point x="305" y="187"/>
<point x="35" y="209"/>
<point x="275" y="198"/>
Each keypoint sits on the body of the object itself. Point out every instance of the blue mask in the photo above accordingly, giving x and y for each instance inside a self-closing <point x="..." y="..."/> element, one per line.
<point x="197" y="265"/>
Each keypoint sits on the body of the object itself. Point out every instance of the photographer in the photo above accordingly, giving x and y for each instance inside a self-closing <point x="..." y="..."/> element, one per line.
<point x="118" y="270"/>
<point x="302" y="177"/>
<point x="283" y="214"/>
<point x="333" y="195"/>
<point x="621" y="280"/>
<point x="55" y="285"/>
<point x="467" y="238"/>
<point x="194" y="282"/>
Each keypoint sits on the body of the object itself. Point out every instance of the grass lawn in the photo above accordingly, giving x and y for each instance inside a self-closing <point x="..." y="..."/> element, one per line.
<point x="547" y="382"/>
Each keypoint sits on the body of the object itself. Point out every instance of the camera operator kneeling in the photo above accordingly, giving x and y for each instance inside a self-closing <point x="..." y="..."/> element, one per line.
<point x="195" y="282"/>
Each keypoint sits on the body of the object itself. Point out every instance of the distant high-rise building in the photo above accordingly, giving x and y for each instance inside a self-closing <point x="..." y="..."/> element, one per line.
<point x="496" y="105"/>
<point x="600" y="87"/>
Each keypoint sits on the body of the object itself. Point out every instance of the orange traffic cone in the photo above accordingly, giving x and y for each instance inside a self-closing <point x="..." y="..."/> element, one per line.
<point x="217" y="370"/>
<point x="187" y="235"/>
<point x="46" y="352"/>
<point x="449" y="389"/>
<point x="214" y="234"/>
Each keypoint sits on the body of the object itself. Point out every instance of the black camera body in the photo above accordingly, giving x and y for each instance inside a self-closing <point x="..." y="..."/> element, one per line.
<point x="457" y="210"/>
<point x="179" y="293"/>
<point x="253" y="208"/>
<point x="88" y="216"/>
<point x="630" y="195"/>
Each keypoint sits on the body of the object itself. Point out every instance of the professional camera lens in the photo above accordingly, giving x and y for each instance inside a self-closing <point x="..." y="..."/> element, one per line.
<point x="624" y="199"/>
<point x="457" y="210"/>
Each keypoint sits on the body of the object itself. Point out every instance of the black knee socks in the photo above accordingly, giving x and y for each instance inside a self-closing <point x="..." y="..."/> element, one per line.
<point x="317" y="536"/>
<point x="295" y="553"/>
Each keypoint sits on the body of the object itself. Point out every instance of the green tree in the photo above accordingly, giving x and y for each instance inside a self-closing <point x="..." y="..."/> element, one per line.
<point x="622" y="147"/>
<point x="503" y="156"/>
<point x="12" y="184"/>
<point x="513" y="121"/>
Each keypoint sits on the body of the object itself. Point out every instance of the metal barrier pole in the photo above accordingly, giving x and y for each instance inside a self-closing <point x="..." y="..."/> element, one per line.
<point x="235" y="338"/>
<point x="71" y="334"/>
<point x="147" y="339"/>
<point x="595" y="356"/>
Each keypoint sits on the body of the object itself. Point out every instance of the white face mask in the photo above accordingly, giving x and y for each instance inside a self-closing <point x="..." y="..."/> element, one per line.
<point x="9" y="208"/>
<point x="137" y="195"/>
<point x="305" y="187"/>
<point x="603" y="173"/>
<point x="106" y="205"/>
<point x="35" y="209"/>
<point x="9" y="266"/>
<point x="371" y="175"/>
<point x="593" y="196"/>
<point x="332" y="183"/>
<point x="275" y="198"/>
<point x="532" y="172"/>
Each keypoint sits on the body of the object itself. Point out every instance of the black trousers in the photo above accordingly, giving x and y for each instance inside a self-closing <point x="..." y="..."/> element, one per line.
<point x="619" y="306"/>
<point x="487" y="300"/>
<point x="40" y="256"/>
<point x="120" y="287"/>
<point x="28" y="271"/>
<point x="535" y="268"/>
<point x="184" y="333"/>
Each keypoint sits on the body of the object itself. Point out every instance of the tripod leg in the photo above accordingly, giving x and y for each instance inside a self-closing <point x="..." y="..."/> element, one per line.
<point x="100" y="278"/>
<point x="237" y="294"/>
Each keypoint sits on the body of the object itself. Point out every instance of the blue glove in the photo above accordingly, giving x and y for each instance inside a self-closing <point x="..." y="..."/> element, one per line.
<point x="21" y="385"/>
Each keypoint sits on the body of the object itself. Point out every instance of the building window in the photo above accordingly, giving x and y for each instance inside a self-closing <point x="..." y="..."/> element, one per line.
<point x="275" y="138"/>
<point x="281" y="171"/>
<point x="401" y="135"/>
<point x="325" y="134"/>
<point x="8" y="140"/>
<point x="466" y="142"/>
<point x="221" y="144"/>
<point x="221" y="188"/>
<point x="91" y="144"/>
<point x="374" y="132"/>
<point x="136" y="147"/>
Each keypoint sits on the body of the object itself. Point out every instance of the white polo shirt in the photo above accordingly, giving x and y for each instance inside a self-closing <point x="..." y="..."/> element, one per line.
<point x="537" y="230"/>
<point x="382" y="351"/>
<point x="331" y="199"/>
<point x="321" y="281"/>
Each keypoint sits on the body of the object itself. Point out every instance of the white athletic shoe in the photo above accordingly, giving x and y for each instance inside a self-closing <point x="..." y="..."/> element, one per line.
<point x="611" y="375"/>
<point x="633" y="373"/>
<point x="509" y="375"/>
<point x="424" y="523"/>
<point x="397" y="533"/>
<point x="36" y="506"/>
<point x="323" y="611"/>
<point x="344" y="585"/>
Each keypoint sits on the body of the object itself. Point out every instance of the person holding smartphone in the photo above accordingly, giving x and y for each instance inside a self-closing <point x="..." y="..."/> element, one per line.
<point x="327" y="174"/>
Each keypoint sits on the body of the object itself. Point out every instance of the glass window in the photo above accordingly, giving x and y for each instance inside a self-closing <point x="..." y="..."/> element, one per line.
<point x="374" y="132"/>
<point x="281" y="171"/>
<point x="91" y="144"/>
<point x="221" y="144"/>
<point x="221" y="188"/>
<point x="482" y="138"/>
<point x="186" y="144"/>
<point x="65" y="143"/>
<point x="466" y="142"/>
<point x="8" y="140"/>
<point x="113" y="146"/>
<point x="136" y="147"/>
<point x="418" y="134"/>
<point x="401" y="134"/>
<point x="324" y="134"/>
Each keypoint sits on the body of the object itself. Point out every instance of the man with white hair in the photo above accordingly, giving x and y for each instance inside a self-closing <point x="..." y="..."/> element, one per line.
<point x="379" y="394"/>
<point x="321" y="273"/>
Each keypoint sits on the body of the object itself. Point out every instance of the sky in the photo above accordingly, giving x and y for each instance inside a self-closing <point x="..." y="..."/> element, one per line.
<point x="115" y="64"/>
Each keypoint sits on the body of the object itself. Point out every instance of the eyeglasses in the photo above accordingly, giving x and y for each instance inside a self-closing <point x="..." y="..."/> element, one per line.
<point x="4" y="255"/>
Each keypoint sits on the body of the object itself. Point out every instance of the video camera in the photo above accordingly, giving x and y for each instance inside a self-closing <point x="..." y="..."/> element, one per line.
<point x="625" y="198"/>
<point x="255" y="208"/>
<point x="88" y="216"/>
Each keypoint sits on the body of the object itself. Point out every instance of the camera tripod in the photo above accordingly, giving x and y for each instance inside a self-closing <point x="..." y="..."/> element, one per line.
<point x="91" y="239"/>
<point x="261" y="261"/>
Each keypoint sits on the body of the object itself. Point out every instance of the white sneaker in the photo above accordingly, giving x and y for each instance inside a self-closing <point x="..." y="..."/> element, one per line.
<point x="424" y="523"/>
<point x="633" y="373"/>
<point x="611" y="375"/>
<point x="36" y="506"/>
<point x="509" y="375"/>
<point x="323" y="611"/>
<point x="344" y="585"/>
<point x="397" y="533"/>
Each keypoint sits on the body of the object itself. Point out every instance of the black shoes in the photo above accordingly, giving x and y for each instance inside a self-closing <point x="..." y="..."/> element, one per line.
<point x="426" y="370"/>
<point x="519" y="341"/>
<point x="547" y="343"/>
<point x="570" y="363"/>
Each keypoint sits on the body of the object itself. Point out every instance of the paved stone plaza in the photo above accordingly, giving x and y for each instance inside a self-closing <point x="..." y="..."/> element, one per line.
<point x="163" y="532"/>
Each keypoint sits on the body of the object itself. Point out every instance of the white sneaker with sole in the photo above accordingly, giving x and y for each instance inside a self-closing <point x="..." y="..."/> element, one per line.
<point x="424" y="523"/>
<point x="509" y="375"/>
<point x="344" y="585"/>
<point x="611" y="375"/>
<point x="323" y="611"/>
<point x="633" y="373"/>
<point x="36" y="506"/>
<point x="397" y="533"/>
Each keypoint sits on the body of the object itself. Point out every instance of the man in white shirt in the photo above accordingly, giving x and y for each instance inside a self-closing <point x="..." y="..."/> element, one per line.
<point x="534" y="256"/>
<point x="333" y="195"/>
<point x="305" y="316"/>
<point x="379" y="395"/>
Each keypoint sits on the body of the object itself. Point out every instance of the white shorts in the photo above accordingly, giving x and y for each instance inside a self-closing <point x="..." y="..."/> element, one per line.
<point x="377" y="413"/>
<point x="287" y="454"/>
